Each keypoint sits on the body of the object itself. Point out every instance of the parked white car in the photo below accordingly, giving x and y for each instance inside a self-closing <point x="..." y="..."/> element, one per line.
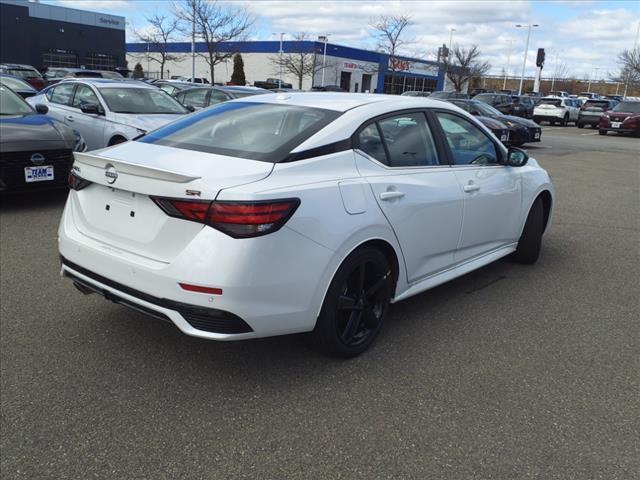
<point x="107" y="112"/>
<point x="275" y="214"/>
<point x="554" y="110"/>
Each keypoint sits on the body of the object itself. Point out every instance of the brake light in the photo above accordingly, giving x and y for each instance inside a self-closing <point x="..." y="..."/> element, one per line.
<point x="236" y="219"/>
<point x="76" y="182"/>
<point x="200" y="289"/>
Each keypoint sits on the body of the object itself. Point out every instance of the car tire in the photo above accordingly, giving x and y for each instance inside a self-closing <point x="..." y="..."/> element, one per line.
<point x="355" y="304"/>
<point x="530" y="243"/>
<point x="580" y="125"/>
<point x="602" y="132"/>
<point x="565" y="121"/>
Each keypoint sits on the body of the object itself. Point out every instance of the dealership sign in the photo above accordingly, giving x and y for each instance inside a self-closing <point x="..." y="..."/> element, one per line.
<point x="359" y="67"/>
<point x="408" y="66"/>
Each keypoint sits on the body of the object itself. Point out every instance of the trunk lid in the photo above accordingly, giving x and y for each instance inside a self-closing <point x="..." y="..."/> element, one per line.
<point x="117" y="209"/>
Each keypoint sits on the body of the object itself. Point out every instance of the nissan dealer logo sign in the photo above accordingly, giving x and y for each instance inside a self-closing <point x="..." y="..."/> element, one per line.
<point x="111" y="173"/>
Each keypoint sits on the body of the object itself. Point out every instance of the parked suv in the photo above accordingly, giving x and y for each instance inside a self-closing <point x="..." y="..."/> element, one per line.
<point x="448" y="95"/>
<point x="523" y="106"/>
<point x="26" y="72"/>
<point x="592" y="110"/>
<point x="623" y="118"/>
<point x="54" y="75"/>
<point x="499" y="101"/>
<point x="556" y="110"/>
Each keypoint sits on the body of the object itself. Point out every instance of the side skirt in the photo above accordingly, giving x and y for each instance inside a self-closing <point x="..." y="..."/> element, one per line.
<point x="454" y="272"/>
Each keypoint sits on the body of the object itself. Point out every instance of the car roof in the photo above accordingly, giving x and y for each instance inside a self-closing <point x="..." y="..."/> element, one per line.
<point x="109" y="83"/>
<point x="342" y="101"/>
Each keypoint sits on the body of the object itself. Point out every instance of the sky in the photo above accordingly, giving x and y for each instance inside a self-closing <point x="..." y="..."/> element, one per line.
<point x="585" y="36"/>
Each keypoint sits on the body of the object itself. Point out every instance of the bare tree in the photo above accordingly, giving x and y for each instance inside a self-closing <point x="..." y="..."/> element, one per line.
<point x="301" y="62"/>
<point x="213" y="24"/>
<point x="161" y="32"/>
<point x="389" y="30"/>
<point x="464" y="64"/>
<point x="629" y="74"/>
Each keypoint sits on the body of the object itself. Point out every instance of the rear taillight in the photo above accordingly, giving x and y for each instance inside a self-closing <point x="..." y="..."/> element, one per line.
<point x="236" y="219"/>
<point x="76" y="182"/>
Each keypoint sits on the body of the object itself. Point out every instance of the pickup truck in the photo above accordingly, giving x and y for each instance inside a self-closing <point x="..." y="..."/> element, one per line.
<point x="272" y="83"/>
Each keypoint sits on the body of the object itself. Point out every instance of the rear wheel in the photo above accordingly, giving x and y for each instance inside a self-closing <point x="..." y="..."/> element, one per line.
<point x="530" y="242"/>
<point x="580" y="125"/>
<point x="602" y="132"/>
<point x="356" y="303"/>
<point x="565" y="120"/>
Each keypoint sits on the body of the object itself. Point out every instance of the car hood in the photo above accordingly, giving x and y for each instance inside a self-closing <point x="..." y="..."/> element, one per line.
<point x="145" y="122"/>
<point x="518" y="120"/>
<point x="492" y="123"/>
<point x="24" y="132"/>
<point x="616" y="116"/>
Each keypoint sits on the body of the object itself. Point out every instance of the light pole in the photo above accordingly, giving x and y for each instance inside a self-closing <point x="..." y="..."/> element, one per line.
<point x="324" y="38"/>
<point x="526" y="51"/>
<point x="590" y="77"/>
<point x="555" y="71"/>
<point x="451" y="30"/>
<point x="193" y="41"/>
<point x="280" y="52"/>
<point x="506" y="72"/>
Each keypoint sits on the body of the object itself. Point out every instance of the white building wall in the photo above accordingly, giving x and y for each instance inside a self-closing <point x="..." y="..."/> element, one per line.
<point x="259" y="67"/>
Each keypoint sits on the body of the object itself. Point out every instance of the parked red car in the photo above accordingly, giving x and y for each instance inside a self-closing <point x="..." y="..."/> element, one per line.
<point x="623" y="118"/>
<point x="26" y="72"/>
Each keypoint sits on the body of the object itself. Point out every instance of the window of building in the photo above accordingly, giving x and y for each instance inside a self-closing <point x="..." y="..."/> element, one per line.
<point x="60" y="58"/>
<point x="99" y="61"/>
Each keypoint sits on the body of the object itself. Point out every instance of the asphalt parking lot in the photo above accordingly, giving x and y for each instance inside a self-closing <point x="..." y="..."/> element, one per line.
<point x="511" y="372"/>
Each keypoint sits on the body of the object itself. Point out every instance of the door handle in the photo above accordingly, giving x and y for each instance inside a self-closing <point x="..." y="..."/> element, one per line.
<point x="390" y="195"/>
<point x="69" y="117"/>
<point x="471" y="188"/>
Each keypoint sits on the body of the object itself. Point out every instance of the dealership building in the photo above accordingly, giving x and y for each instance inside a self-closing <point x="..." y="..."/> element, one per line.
<point x="353" y="69"/>
<point x="50" y="36"/>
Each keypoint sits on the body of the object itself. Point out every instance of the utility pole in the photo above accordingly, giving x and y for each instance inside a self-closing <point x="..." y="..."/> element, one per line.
<point x="526" y="51"/>
<point x="506" y="72"/>
<point x="324" y="38"/>
<point x="280" y="52"/>
<point x="451" y="30"/>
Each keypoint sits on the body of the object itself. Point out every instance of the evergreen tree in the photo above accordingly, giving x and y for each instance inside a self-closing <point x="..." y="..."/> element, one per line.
<point x="237" y="77"/>
<point x="138" y="72"/>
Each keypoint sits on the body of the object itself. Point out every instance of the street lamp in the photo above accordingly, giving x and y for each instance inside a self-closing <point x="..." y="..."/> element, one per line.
<point x="451" y="30"/>
<point x="506" y="72"/>
<point x="635" y="45"/>
<point x="526" y="51"/>
<point x="590" y="77"/>
<point x="324" y="38"/>
<point x="280" y="52"/>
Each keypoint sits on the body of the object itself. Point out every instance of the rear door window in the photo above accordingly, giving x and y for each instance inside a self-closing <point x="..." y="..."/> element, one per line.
<point x="195" y="98"/>
<point x="61" y="93"/>
<point x="408" y="140"/>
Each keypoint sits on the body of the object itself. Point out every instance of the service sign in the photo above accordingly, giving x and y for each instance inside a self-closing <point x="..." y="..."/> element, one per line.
<point x="408" y="66"/>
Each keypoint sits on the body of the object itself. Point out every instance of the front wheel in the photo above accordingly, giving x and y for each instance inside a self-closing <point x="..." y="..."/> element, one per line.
<point x="602" y="132"/>
<point x="565" y="121"/>
<point x="580" y="125"/>
<point x="355" y="304"/>
<point x="530" y="242"/>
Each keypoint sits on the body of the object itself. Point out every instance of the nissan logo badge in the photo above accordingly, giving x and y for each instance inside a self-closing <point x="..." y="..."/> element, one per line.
<point x="37" y="159"/>
<point x="111" y="173"/>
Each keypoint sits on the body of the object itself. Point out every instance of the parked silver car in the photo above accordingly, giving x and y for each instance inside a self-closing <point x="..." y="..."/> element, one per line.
<point x="107" y="112"/>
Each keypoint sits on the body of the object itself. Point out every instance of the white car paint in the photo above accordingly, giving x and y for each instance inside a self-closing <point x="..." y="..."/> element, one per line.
<point x="440" y="221"/>
<point x="99" y="130"/>
<point x="544" y="111"/>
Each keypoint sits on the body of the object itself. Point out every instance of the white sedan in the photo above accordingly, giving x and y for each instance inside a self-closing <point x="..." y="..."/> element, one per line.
<point x="107" y="112"/>
<point x="312" y="212"/>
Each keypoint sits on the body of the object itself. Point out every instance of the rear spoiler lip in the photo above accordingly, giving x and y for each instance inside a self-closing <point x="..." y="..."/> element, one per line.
<point x="132" y="168"/>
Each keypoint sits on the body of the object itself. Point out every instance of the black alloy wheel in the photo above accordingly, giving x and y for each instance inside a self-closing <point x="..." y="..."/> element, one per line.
<point x="356" y="303"/>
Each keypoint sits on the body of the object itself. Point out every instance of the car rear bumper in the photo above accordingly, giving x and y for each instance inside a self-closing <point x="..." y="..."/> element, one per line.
<point x="620" y="130"/>
<point x="547" y="118"/>
<point x="12" y="171"/>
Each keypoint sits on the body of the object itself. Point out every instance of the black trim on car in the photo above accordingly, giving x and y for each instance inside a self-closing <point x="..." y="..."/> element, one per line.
<point x="201" y="318"/>
<point x="335" y="147"/>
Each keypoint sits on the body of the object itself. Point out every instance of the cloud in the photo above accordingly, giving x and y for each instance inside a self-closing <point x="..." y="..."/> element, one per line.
<point x="96" y="5"/>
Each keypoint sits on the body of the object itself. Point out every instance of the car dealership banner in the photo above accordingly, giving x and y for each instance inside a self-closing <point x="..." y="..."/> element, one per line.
<point x="408" y="66"/>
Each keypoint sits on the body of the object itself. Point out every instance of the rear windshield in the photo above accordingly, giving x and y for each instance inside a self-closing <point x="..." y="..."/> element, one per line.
<point x="16" y="84"/>
<point x="595" y="105"/>
<point x="22" y="72"/>
<point x="12" y="104"/>
<point x="85" y="74"/>
<point x="257" y="131"/>
<point x="144" y="101"/>
<point x="631" y="107"/>
<point x="551" y="101"/>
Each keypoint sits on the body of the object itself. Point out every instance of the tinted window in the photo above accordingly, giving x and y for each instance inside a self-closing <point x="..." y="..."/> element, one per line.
<point x="369" y="141"/>
<point x="217" y="96"/>
<point x="12" y="104"/>
<point x="16" y="84"/>
<point x="631" y="107"/>
<point x="551" y="101"/>
<point x="84" y="96"/>
<point x="408" y="140"/>
<point x="61" y="93"/>
<point x="257" y="131"/>
<point x="468" y="144"/>
<point x="140" y="100"/>
<point x="168" y="88"/>
<point x="195" y="98"/>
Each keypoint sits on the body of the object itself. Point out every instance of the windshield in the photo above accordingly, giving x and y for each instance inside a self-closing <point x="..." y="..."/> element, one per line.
<point x="486" y="110"/>
<point x="85" y="74"/>
<point x="16" y="84"/>
<point x="551" y="101"/>
<point x="140" y="100"/>
<point x="108" y="74"/>
<point x="440" y="94"/>
<point x="12" y="104"/>
<point x="22" y="72"/>
<point x="630" y="107"/>
<point x="595" y="105"/>
<point x="257" y="131"/>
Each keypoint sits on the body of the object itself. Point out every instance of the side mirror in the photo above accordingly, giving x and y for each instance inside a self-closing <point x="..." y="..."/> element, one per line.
<point x="516" y="157"/>
<point x="191" y="108"/>
<point x="91" y="109"/>
<point x="42" y="109"/>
